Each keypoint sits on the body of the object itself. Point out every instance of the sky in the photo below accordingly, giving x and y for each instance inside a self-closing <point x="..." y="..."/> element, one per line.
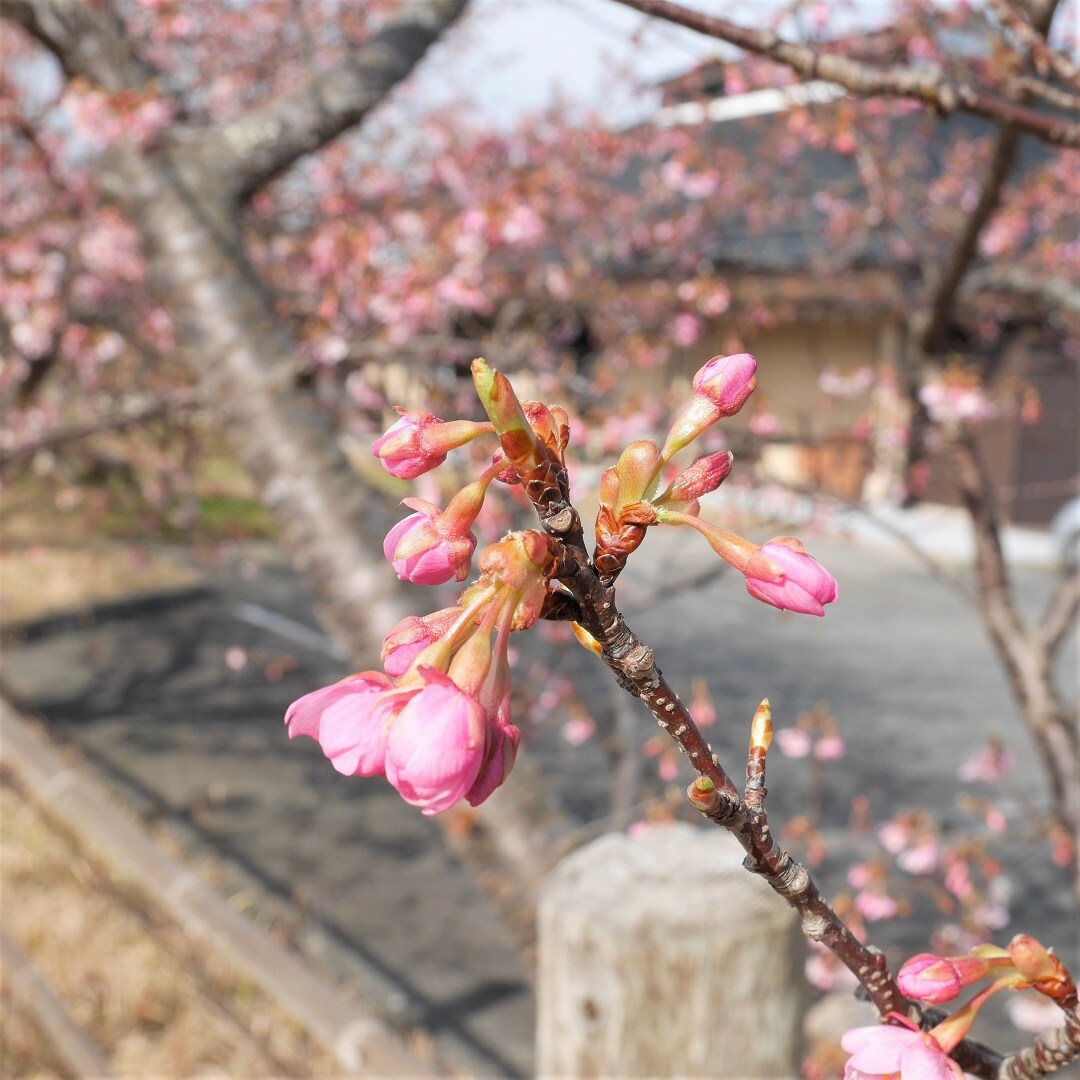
<point x="514" y="56"/>
<point x="511" y="56"/>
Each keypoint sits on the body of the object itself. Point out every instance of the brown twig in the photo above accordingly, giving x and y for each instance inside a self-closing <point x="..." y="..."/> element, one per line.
<point x="1061" y="613"/>
<point x="925" y="84"/>
<point x="1053" y="1050"/>
<point x="1044" y="56"/>
<point x="132" y="416"/>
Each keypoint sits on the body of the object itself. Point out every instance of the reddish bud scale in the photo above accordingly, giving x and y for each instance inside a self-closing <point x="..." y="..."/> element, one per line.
<point x="1042" y="970"/>
<point x="703" y="795"/>
<point x="703" y="476"/>
<point x="614" y="543"/>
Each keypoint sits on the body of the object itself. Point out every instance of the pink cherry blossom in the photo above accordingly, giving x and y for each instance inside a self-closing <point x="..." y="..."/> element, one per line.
<point x="343" y="718"/>
<point x="420" y="553"/>
<point x="794" y="742"/>
<point x="436" y="743"/>
<point x="886" y="1051"/>
<point x="875" y="906"/>
<point x="503" y="739"/>
<point x="829" y="748"/>
<point x="782" y="574"/>
<point x="988" y="765"/>
<point x="921" y="858"/>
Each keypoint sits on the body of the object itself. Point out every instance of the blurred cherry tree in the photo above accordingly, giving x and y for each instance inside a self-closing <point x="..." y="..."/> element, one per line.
<point x="203" y="219"/>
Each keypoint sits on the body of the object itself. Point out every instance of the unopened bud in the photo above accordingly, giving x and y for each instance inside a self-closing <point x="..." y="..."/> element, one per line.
<point x="704" y="475"/>
<point x="936" y="979"/>
<point x="702" y="794"/>
<point x="520" y="443"/>
<point x="586" y="639"/>
<point x="761" y="729"/>
<point x="1041" y="968"/>
<point x="727" y="381"/>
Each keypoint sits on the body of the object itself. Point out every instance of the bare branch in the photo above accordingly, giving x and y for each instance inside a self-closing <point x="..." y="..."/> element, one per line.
<point x="125" y="417"/>
<point x="1057" y="294"/>
<point x="1045" y="57"/>
<point x="266" y="140"/>
<point x="1061" y="613"/>
<point x="1053" y="1050"/>
<point x="1062" y="99"/>
<point x="938" y="316"/>
<point x="928" y="85"/>
<point x="87" y="40"/>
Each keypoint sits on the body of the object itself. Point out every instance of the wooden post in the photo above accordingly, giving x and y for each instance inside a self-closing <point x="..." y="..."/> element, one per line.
<point x="659" y="955"/>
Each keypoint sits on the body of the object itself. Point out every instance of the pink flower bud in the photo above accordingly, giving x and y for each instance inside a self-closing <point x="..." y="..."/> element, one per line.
<point x="411" y="636"/>
<point x="436" y="745"/>
<point x="346" y="721"/>
<point x="420" y="441"/>
<point x="401" y="450"/>
<point x="829" y="748"/>
<point x="794" y="742"/>
<point x="727" y="381"/>
<point x="721" y="388"/>
<point x="936" y="979"/>
<point x="423" y="548"/>
<point x="704" y="475"/>
<point x="1041" y="969"/>
<point x="782" y="574"/>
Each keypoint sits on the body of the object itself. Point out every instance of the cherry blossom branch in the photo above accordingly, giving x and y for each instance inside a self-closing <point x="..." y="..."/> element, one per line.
<point x="1061" y="613"/>
<point x="1054" y="293"/>
<point x="928" y="85"/>
<point x="128" y="416"/>
<point x="1052" y="1051"/>
<point x="937" y="317"/>
<point x="1019" y="645"/>
<point x="634" y="665"/>
<point x="591" y="603"/>
<point x="266" y="140"/>
<point x="1045" y="57"/>
<point x="932" y="325"/>
<point x="87" y="40"/>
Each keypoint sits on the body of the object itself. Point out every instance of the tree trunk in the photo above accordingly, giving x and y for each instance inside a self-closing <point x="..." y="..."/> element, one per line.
<point x="661" y="956"/>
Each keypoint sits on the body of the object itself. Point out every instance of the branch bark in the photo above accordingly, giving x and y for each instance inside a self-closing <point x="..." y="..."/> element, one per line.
<point x="86" y="40"/>
<point x="266" y="140"/>
<point x="1045" y="57"/>
<point x="1020" y="646"/>
<point x="927" y="85"/>
<point x="715" y="794"/>
<point x="186" y="209"/>
<point x="132" y="415"/>
<point x="937" y="318"/>
<point x="1061" y="614"/>
<point x="1054" y="293"/>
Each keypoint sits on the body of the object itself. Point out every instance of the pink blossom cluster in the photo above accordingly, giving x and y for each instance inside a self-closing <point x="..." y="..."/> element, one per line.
<point x="436" y="721"/>
<point x="899" y="1048"/>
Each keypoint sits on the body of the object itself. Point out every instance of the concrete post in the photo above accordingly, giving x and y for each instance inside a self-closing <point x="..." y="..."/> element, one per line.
<point x="660" y="955"/>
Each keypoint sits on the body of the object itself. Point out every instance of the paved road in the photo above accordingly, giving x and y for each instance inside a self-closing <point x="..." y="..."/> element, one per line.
<point x="151" y="699"/>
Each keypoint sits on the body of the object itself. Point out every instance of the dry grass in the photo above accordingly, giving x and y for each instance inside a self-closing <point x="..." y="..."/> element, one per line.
<point x="155" y="1002"/>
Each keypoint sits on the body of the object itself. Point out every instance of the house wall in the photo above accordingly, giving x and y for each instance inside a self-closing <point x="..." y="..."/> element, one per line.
<point x="816" y="434"/>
